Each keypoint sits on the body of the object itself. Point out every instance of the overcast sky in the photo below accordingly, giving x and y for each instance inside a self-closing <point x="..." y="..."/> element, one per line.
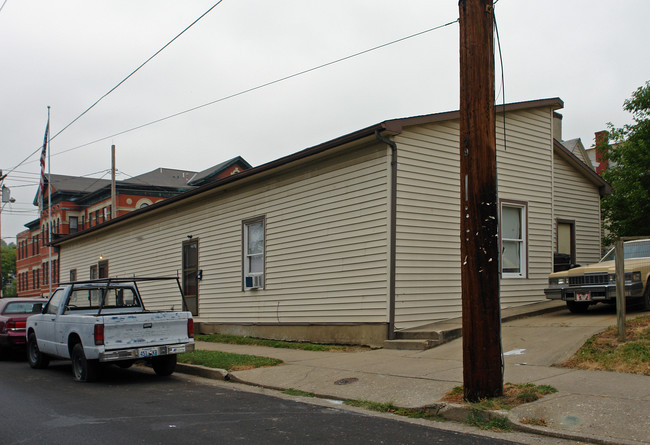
<point x="66" y="54"/>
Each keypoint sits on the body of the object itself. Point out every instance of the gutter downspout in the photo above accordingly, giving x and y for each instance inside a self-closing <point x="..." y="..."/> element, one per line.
<point x="393" y="233"/>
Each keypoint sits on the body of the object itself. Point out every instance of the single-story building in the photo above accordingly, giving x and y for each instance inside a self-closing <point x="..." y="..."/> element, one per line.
<point x="356" y="238"/>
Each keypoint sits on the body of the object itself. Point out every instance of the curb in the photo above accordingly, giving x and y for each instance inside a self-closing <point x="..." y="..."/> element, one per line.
<point x="567" y="435"/>
<point x="461" y="413"/>
<point x="449" y="411"/>
<point x="203" y="371"/>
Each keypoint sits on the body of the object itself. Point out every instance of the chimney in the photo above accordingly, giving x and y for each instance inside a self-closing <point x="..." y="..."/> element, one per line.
<point x="602" y="145"/>
<point x="557" y="126"/>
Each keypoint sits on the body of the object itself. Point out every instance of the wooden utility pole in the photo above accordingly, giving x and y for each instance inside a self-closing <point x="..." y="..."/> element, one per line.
<point x="619" y="266"/>
<point x="113" y="188"/>
<point x="482" y="371"/>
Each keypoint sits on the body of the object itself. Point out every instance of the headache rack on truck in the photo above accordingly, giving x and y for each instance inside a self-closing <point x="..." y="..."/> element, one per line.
<point x="106" y="293"/>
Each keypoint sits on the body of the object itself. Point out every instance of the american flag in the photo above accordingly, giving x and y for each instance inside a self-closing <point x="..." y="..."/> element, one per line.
<point x="41" y="189"/>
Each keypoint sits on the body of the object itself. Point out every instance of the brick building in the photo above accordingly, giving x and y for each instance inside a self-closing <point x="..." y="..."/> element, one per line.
<point x="79" y="203"/>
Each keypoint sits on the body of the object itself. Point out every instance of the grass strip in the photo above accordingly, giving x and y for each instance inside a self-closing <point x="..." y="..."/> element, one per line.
<point x="513" y="395"/>
<point x="298" y="393"/>
<point x="487" y="422"/>
<point x="226" y="360"/>
<point x="604" y="352"/>
<point x="415" y="413"/>
<point x="237" y="340"/>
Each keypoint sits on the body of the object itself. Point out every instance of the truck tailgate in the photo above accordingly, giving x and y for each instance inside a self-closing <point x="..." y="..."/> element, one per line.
<point x="145" y="329"/>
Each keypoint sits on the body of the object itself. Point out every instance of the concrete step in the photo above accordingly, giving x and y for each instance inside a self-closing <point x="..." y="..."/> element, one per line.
<point x="411" y="345"/>
<point x="418" y="335"/>
<point x="442" y="335"/>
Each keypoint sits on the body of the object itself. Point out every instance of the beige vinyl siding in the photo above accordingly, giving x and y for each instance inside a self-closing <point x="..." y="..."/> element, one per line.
<point x="525" y="174"/>
<point x="326" y="250"/>
<point x="428" y="245"/>
<point x="576" y="198"/>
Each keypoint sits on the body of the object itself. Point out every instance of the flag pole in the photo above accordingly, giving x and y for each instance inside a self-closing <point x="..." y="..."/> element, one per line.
<point x="49" y="206"/>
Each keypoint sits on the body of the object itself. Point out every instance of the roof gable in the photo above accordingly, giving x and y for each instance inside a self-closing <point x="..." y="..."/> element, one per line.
<point x="219" y="171"/>
<point x="575" y="146"/>
<point x="581" y="167"/>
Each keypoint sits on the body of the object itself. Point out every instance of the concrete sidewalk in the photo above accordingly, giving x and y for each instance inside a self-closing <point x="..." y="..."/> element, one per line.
<point x="590" y="406"/>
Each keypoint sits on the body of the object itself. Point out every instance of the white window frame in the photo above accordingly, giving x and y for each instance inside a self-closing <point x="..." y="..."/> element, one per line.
<point x="523" y="241"/>
<point x="246" y="256"/>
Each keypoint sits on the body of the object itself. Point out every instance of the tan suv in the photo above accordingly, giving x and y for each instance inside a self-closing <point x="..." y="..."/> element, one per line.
<point x="596" y="283"/>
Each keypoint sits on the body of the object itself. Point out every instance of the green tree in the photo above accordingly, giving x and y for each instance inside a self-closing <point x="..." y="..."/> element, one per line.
<point x="626" y="212"/>
<point x="8" y="269"/>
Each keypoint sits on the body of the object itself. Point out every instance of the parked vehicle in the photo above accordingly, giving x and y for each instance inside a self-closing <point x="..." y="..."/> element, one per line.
<point x="583" y="286"/>
<point x="13" y="319"/>
<point x="105" y="322"/>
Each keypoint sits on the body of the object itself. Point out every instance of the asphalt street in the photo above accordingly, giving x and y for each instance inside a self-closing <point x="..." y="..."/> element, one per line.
<point x="135" y="406"/>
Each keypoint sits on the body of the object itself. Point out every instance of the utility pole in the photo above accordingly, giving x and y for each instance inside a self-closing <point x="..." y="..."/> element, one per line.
<point x="619" y="267"/>
<point x="2" y="203"/>
<point x="480" y="256"/>
<point x="113" y="188"/>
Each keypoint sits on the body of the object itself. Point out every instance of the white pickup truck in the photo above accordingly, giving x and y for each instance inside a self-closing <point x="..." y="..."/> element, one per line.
<point x="105" y="322"/>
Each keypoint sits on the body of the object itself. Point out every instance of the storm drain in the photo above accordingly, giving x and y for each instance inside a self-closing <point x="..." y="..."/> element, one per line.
<point x="346" y="381"/>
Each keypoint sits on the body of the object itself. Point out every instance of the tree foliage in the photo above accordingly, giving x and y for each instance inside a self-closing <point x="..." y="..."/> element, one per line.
<point x="626" y="212"/>
<point x="8" y="269"/>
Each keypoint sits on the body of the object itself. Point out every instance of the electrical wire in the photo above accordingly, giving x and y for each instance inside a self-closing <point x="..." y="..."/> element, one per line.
<point x="137" y="69"/>
<point x="273" y="82"/>
<point x="496" y="29"/>
<point x="118" y="85"/>
<point x="503" y="81"/>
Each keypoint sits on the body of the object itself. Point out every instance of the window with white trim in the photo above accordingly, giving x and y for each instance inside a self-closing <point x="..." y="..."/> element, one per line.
<point x="253" y="253"/>
<point x="513" y="240"/>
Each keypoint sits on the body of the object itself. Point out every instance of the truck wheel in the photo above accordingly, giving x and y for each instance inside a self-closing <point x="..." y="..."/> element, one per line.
<point x="83" y="370"/>
<point x="164" y="365"/>
<point x="646" y="297"/>
<point x="577" y="307"/>
<point x="35" y="357"/>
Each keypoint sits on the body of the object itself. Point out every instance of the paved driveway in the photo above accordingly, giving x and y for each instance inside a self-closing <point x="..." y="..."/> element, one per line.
<point x="553" y="338"/>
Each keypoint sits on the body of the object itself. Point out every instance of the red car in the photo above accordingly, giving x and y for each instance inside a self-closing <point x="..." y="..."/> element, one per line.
<point x="13" y="316"/>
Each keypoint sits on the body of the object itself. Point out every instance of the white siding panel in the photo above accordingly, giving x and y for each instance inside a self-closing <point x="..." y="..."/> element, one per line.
<point x="525" y="174"/>
<point x="326" y="250"/>
<point x="428" y="228"/>
<point x="578" y="199"/>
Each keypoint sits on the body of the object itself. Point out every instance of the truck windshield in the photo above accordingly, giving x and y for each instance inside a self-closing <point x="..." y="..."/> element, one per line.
<point x="90" y="298"/>
<point x="632" y="250"/>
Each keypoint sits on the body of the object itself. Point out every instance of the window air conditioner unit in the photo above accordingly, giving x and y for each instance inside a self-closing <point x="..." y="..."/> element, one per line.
<point x="255" y="281"/>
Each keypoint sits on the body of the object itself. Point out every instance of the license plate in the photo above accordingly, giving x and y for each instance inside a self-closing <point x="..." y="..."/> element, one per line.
<point x="583" y="296"/>
<point x="148" y="352"/>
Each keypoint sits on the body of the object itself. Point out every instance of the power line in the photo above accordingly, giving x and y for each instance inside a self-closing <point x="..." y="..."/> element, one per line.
<point x="121" y="82"/>
<point x="503" y="81"/>
<point x="137" y="69"/>
<point x="25" y="172"/>
<point x="273" y="82"/>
